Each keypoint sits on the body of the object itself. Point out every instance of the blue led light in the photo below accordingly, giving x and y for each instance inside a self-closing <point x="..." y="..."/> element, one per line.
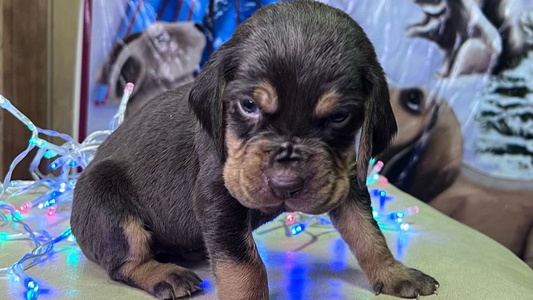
<point x="32" y="285"/>
<point x="297" y="229"/>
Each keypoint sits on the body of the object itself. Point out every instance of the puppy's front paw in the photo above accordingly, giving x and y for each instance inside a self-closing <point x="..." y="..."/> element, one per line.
<point x="177" y="284"/>
<point x="405" y="282"/>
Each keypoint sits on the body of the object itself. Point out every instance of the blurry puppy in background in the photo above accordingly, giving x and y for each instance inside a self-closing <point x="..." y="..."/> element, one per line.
<point x="164" y="56"/>
<point x="268" y="126"/>
<point x="426" y="155"/>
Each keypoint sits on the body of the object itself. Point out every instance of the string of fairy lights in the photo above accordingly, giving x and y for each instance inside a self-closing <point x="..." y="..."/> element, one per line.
<point x="55" y="192"/>
<point x="67" y="159"/>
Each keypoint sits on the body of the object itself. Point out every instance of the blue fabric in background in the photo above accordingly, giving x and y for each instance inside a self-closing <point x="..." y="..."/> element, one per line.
<point x="141" y="13"/>
<point x="219" y="18"/>
<point x="229" y="14"/>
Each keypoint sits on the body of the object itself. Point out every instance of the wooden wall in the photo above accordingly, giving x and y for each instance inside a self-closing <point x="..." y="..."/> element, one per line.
<point x="38" y="70"/>
<point x="25" y="73"/>
<point x="1" y="88"/>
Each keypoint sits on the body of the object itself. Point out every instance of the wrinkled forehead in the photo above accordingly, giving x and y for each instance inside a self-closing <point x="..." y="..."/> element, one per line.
<point x="296" y="105"/>
<point x="297" y="66"/>
<point x="302" y="77"/>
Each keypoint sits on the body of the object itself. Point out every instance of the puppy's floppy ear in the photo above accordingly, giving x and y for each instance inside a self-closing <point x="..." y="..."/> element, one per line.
<point x="205" y="97"/>
<point x="379" y="126"/>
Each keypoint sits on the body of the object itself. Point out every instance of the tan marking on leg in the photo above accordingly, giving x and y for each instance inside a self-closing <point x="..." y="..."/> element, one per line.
<point x="327" y="104"/>
<point x="139" y="244"/>
<point x="266" y="98"/>
<point x="387" y="275"/>
<point x="150" y="273"/>
<point x="240" y="281"/>
<point x="141" y="268"/>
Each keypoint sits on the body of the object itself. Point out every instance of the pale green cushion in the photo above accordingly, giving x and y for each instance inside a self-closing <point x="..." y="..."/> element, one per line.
<point x="314" y="265"/>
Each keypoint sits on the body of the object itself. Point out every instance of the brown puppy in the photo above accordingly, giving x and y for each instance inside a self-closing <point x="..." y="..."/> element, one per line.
<point x="426" y="156"/>
<point x="163" y="57"/>
<point x="268" y="126"/>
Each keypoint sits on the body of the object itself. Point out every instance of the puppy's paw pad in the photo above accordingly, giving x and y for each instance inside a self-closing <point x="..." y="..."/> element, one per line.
<point x="406" y="283"/>
<point x="177" y="285"/>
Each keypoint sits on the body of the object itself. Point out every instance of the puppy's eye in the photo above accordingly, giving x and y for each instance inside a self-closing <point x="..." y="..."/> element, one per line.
<point x="413" y="100"/>
<point x="339" y="118"/>
<point x="249" y="107"/>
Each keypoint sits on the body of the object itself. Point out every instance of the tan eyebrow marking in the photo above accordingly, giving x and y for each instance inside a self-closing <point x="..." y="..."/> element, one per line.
<point x="327" y="104"/>
<point x="266" y="98"/>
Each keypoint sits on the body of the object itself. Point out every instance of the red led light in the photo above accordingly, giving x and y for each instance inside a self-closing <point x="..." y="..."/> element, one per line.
<point x="290" y="218"/>
<point x="51" y="211"/>
<point x="383" y="180"/>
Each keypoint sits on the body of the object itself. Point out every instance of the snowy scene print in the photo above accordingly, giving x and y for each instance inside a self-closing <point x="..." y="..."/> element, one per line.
<point x="505" y="119"/>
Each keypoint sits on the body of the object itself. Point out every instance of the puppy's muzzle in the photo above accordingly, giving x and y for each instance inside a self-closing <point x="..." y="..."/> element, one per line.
<point x="284" y="180"/>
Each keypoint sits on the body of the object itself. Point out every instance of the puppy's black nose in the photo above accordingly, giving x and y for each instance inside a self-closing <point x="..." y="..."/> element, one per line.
<point x="287" y="153"/>
<point x="286" y="187"/>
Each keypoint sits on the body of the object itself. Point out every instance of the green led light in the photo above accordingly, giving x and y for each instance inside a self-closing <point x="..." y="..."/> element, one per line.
<point x="38" y="142"/>
<point x="3" y="236"/>
<point x="49" y="154"/>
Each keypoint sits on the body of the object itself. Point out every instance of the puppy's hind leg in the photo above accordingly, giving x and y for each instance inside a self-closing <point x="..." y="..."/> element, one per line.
<point x="109" y="229"/>
<point x="165" y="281"/>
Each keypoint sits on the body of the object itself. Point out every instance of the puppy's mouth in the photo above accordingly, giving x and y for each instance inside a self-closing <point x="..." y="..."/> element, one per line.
<point x="280" y="191"/>
<point x="292" y="193"/>
<point x="286" y="187"/>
